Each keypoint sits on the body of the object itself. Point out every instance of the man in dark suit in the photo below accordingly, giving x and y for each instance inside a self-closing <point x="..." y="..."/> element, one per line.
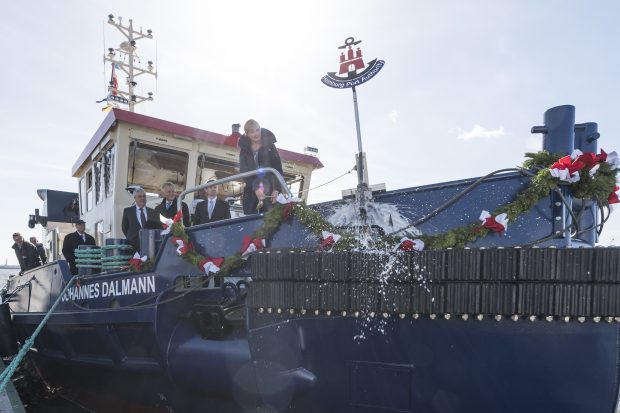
<point x="26" y="253"/>
<point x="73" y="240"/>
<point x="137" y="217"/>
<point x="212" y="208"/>
<point x="168" y="206"/>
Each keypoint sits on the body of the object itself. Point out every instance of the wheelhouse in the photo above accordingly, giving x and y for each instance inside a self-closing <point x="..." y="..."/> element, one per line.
<point x="133" y="149"/>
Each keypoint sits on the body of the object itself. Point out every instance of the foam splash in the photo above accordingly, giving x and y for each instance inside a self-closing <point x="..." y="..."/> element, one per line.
<point x="376" y="324"/>
<point x="383" y="215"/>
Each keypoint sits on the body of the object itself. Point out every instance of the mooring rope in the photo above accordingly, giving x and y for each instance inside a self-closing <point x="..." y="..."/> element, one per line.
<point x="6" y="375"/>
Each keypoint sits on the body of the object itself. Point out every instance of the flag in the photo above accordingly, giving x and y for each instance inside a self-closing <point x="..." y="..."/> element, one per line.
<point x="114" y="79"/>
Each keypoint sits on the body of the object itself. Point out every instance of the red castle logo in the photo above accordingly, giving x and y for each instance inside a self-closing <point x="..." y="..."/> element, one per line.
<point x="353" y="71"/>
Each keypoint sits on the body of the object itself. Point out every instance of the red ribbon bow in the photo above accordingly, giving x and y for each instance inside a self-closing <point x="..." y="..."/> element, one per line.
<point x="178" y="216"/>
<point x="216" y="262"/>
<point x="493" y="225"/>
<point x="258" y="243"/>
<point x="287" y="211"/>
<point x="613" y="197"/>
<point x="135" y="263"/>
<point x="183" y="248"/>
<point x="328" y="242"/>
<point x="567" y="163"/>
<point x="589" y="159"/>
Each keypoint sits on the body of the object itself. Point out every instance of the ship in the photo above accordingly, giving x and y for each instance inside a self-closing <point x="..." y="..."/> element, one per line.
<point x="304" y="315"/>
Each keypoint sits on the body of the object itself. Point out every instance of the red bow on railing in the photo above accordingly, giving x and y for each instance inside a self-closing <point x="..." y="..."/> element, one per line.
<point x="137" y="261"/>
<point x="167" y="222"/>
<point x="610" y="158"/>
<point x="407" y="244"/>
<point x="182" y="248"/>
<point x="614" y="197"/>
<point x="209" y="264"/>
<point x="178" y="216"/>
<point x="567" y="169"/>
<point x="287" y="210"/>
<point x="250" y="245"/>
<point x="328" y="240"/>
<point x="498" y="223"/>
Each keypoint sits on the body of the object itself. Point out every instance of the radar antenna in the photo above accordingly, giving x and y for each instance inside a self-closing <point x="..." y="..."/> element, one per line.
<point x="127" y="49"/>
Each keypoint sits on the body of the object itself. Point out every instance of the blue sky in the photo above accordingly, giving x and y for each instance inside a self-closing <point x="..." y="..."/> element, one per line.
<point x="462" y="85"/>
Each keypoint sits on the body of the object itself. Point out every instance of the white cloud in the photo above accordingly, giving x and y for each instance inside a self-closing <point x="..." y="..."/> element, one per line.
<point x="480" y="132"/>
<point x="393" y="115"/>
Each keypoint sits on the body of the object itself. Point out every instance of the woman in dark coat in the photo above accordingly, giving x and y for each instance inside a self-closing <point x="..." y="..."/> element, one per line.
<point x="258" y="150"/>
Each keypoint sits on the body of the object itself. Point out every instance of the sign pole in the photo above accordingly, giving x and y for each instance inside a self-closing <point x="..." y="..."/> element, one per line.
<point x="354" y="71"/>
<point x="362" y="185"/>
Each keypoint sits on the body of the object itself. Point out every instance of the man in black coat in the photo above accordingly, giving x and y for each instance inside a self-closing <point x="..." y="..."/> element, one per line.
<point x="212" y="208"/>
<point x="137" y="217"/>
<point x="26" y="253"/>
<point x="40" y="249"/>
<point x="73" y="241"/>
<point x="258" y="150"/>
<point x="168" y="206"/>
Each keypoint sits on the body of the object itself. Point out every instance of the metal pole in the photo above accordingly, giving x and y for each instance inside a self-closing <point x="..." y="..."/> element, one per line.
<point x="131" y="48"/>
<point x="283" y="186"/>
<point x="360" y="162"/>
<point x="362" y="185"/>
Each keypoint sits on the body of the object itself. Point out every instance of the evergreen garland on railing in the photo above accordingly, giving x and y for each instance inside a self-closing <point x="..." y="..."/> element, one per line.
<point x="589" y="176"/>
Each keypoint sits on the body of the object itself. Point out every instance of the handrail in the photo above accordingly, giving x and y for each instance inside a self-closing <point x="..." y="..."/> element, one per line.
<point x="258" y="171"/>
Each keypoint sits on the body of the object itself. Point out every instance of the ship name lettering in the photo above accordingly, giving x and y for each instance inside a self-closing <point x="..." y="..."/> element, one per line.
<point x="114" y="288"/>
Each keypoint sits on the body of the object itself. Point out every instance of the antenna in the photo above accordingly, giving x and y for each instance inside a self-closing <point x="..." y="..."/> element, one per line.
<point x="117" y="58"/>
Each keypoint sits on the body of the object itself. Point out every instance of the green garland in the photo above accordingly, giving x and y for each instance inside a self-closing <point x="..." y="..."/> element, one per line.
<point x="597" y="187"/>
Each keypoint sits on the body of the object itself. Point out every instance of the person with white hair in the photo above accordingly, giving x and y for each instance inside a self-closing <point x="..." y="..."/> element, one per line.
<point x="168" y="206"/>
<point x="257" y="151"/>
<point x="137" y="217"/>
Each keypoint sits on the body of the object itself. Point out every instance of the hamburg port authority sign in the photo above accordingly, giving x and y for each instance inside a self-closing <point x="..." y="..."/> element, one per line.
<point x="353" y="71"/>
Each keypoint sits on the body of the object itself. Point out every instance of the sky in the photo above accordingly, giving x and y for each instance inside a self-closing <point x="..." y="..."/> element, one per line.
<point x="462" y="85"/>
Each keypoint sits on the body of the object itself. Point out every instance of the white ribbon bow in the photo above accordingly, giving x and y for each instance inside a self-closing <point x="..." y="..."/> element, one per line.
<point x="500" y="219"/>
<point x="180" y="244"/>
<point x="137" y="256"/>
<point x="327" y="234"/>
<point x="417" y="244"/>
<point x="283" y="199"/>
<point x="210" y="267"/>
<point x="167" y="222"/>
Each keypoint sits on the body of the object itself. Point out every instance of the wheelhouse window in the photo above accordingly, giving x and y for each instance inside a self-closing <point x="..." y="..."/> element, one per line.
<point x="295" y="184"/>
<point x="213" y="168"/>
<point x="82" y="195"/>
<point x="108" y="170"/>
<point x="150" y="166"/>
<point x="89" y="189"/>
<point x="98" y="171"/>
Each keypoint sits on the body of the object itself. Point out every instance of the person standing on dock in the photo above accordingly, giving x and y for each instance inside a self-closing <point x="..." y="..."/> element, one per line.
<point x="40" y="249"/>
<point x="26" y="253"/>
<point x="137" y="217"/>
<point x="258" y="150"/>
<point x="73" y="241"/>
<point x="212" y="208"/>
<point x="168" y="206"/>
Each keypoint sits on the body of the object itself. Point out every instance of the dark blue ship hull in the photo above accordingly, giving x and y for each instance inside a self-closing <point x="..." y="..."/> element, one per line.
<point x="151" y="341"/>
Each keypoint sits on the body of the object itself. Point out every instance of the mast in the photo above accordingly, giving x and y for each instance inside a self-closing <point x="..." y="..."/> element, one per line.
<point x="116" y="57"/>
